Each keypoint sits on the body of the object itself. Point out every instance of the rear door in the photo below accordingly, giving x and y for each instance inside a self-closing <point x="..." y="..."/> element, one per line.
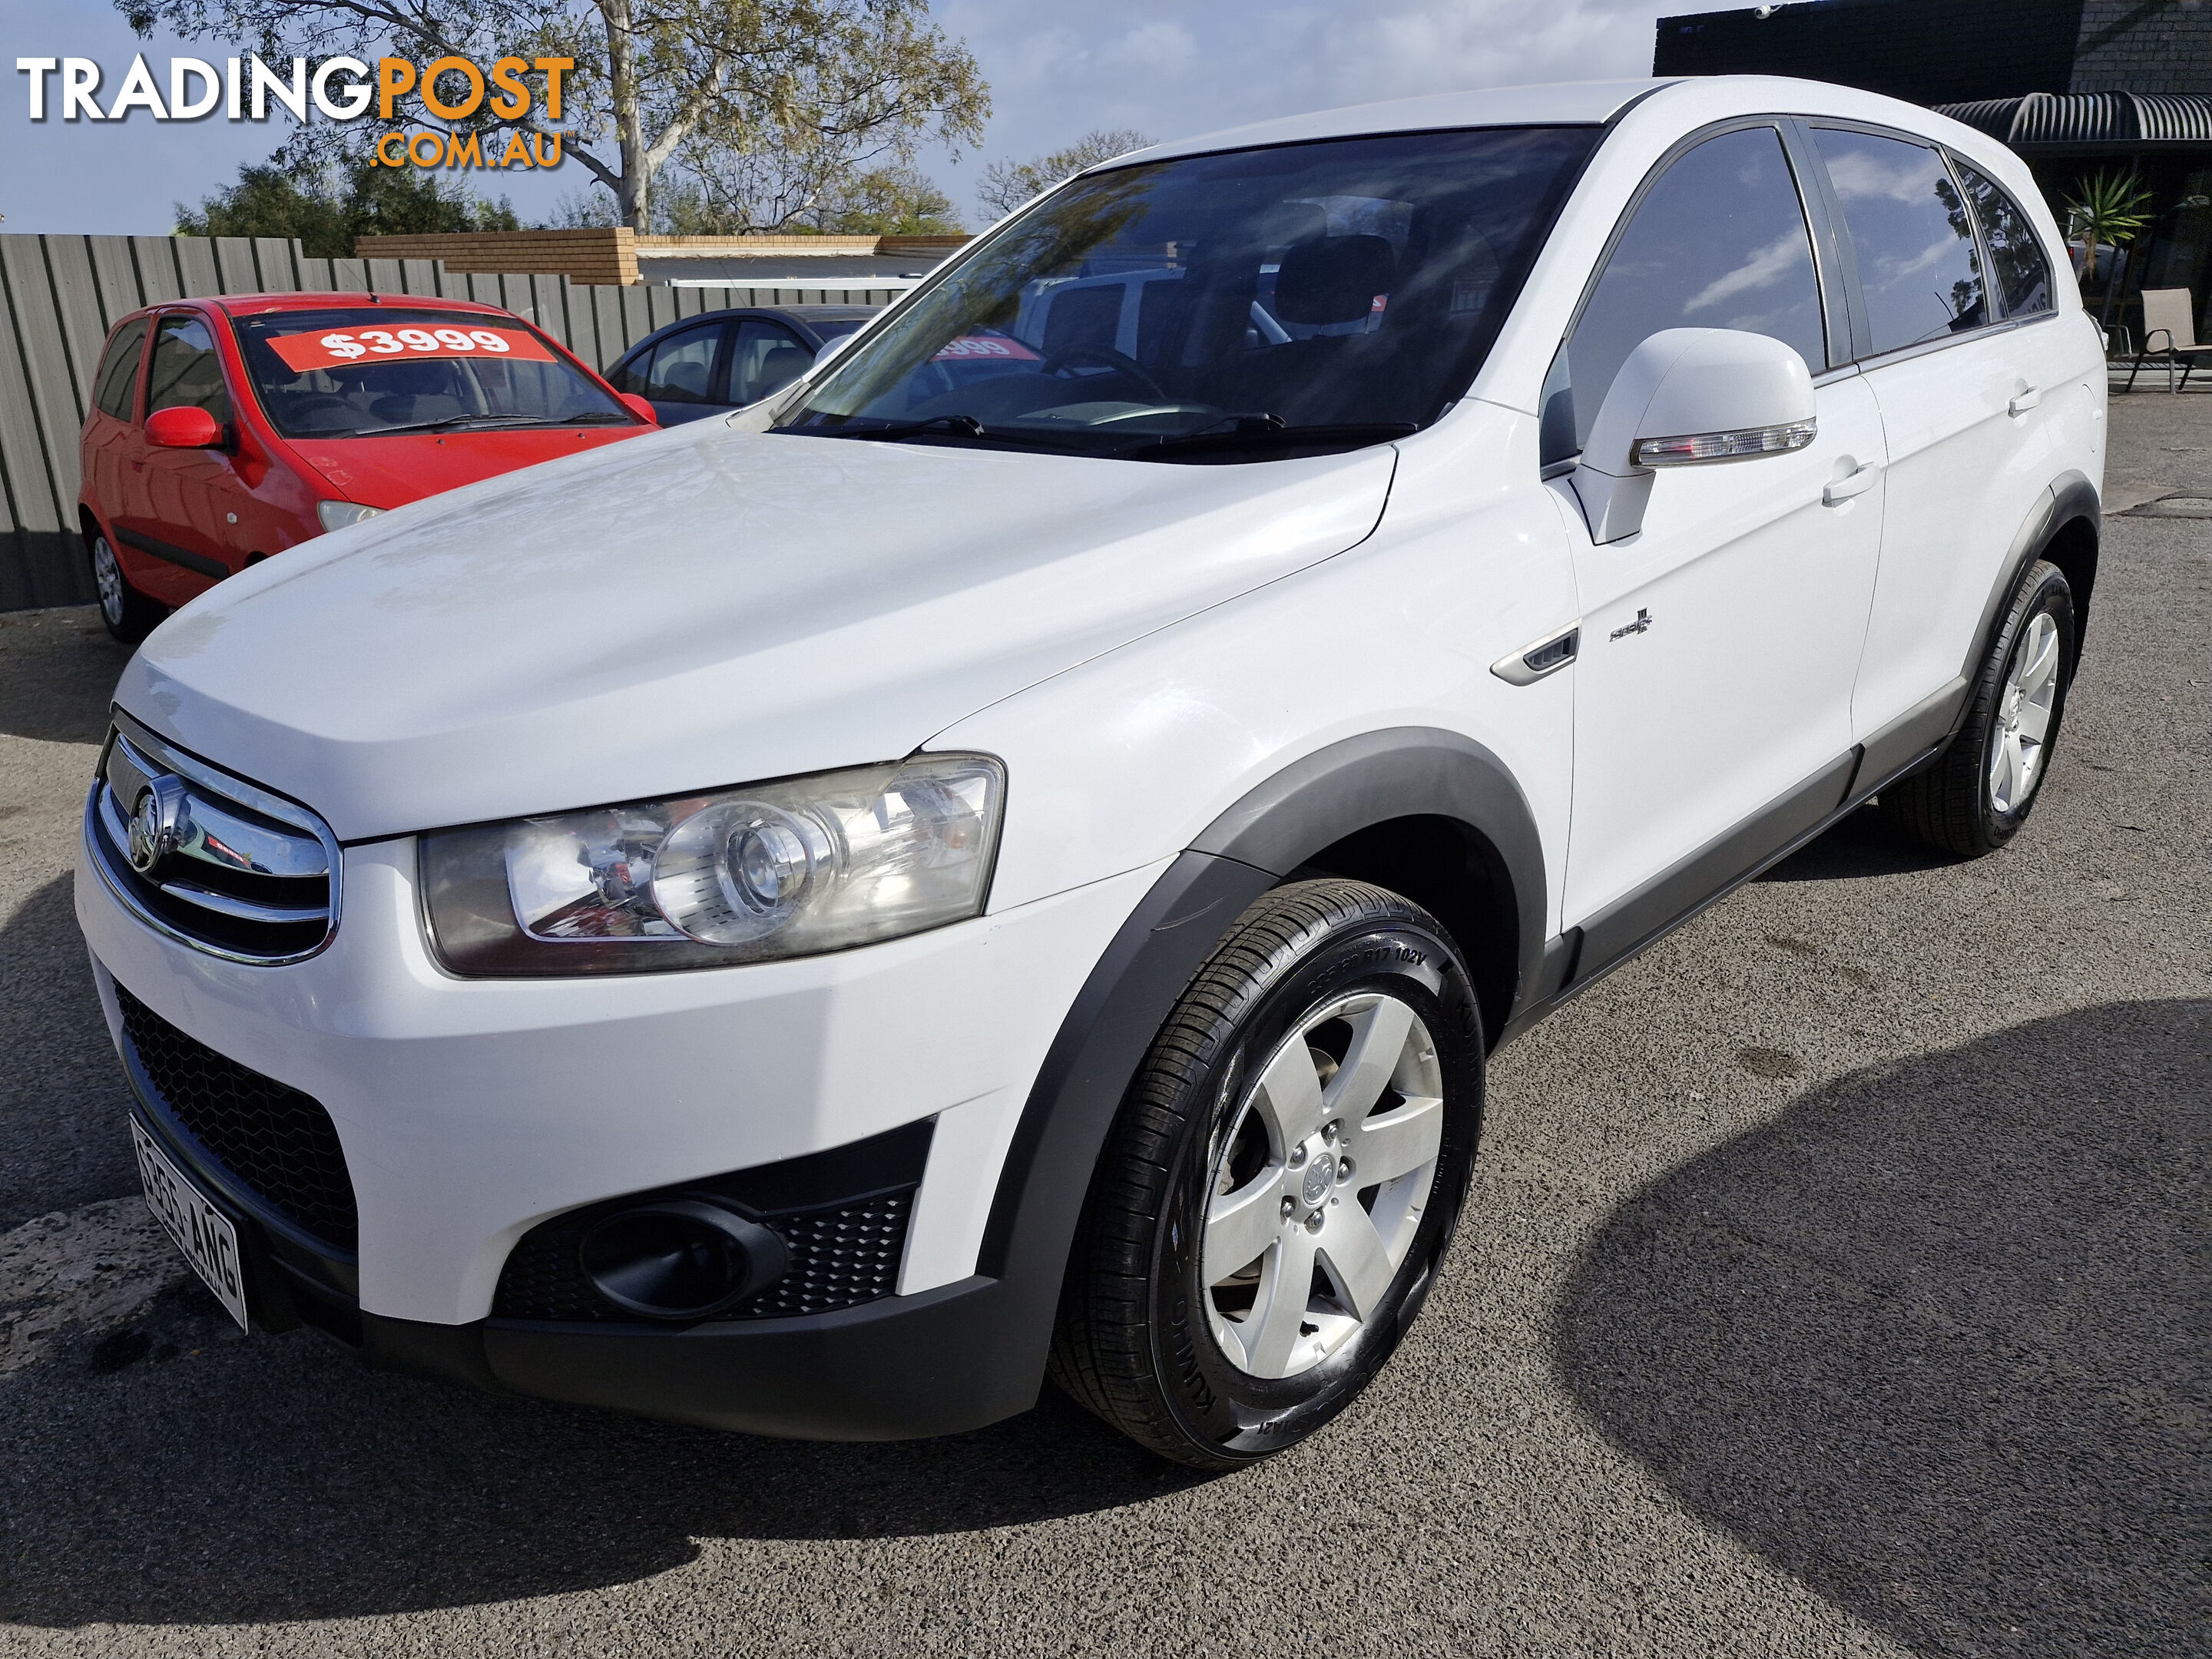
<point x="1719" y="644"/>
<point x="1966" y="394"/>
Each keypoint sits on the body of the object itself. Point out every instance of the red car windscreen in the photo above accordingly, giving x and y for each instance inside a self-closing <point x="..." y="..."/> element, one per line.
<point x="320" y="350"/>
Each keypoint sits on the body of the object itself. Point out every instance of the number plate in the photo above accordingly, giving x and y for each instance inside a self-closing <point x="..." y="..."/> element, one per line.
<point x="203" y="1232"/>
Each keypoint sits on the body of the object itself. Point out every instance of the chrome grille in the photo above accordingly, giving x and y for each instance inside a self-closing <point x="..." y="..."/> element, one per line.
<point x="207" y="858"/>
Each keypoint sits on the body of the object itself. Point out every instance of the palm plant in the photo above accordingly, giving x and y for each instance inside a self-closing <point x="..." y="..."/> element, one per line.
<point x="2109" y="209"/>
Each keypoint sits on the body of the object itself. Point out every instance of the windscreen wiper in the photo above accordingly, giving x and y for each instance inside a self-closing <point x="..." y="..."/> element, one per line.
<point x="452" y="423"/>
<point x="1272" y="432"/>
<point x="959" y="426"/>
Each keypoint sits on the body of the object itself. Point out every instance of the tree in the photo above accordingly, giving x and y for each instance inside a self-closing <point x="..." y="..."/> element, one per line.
<point x="327" y="205"/>
<point x="1007" y="185"/>
<point x="773" y="191"/>
<point x="2108" y="209"/>
<point x="839" y="83"/>
<point x="890" y="202"/>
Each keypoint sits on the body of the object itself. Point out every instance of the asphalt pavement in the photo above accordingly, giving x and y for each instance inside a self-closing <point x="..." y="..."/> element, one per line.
<point x="1833" y="1283"/>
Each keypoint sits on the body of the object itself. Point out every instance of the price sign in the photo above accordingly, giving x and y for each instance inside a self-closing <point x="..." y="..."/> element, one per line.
<point x="375" y="345"/>
<point x="985" y="349"/>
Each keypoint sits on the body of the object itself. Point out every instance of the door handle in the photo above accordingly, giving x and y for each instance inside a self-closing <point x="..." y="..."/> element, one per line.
<point x="2023" y="400"/>
<point x="1852" y="483"/>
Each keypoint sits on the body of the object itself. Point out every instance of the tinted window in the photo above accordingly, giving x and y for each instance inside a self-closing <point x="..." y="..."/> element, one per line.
<point x="185" y="373"/>
<point x="1917" y="266"/>
<point x="683" y="366"/>
<point x="769" y="358"/>
<point x="1719" y="241"/>
<point x="2019" y="269"/>
<point x="354" y="371"/>
<point x="1221" y="307"/>
<point x="118" y="369"/>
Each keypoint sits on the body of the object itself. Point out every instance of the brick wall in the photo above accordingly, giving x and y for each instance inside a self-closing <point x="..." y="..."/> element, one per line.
<point x="607" y="254"/>
<point x="2144" y="45"/>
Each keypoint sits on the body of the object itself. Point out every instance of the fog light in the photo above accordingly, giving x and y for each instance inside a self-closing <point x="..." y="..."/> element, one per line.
<point x="680" y="1259"/>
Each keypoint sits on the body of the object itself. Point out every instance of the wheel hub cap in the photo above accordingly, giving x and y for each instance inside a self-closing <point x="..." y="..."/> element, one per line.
<point x="1319" y="1174"/>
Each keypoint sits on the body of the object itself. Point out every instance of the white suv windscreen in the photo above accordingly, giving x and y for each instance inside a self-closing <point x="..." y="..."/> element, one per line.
<point x="1221" y="307"/>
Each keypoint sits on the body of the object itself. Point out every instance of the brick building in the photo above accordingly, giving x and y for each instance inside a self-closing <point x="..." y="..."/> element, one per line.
<point x="2077" y="86"/>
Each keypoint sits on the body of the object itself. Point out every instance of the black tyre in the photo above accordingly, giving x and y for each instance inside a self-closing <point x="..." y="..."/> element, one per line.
<point x="1272" y="1204"/>
<point x="1973" y="797"/>
<point x="129" y="614"/>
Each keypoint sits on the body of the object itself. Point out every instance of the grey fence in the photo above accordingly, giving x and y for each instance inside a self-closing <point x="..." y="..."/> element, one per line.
<point x="62" y="294"/>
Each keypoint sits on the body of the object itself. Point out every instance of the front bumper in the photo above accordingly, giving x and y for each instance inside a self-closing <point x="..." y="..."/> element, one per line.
<point x="941" y="1362"/>
<point x="472" y="1110"/>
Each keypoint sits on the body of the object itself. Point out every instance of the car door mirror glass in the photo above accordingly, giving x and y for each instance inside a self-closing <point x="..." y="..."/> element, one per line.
<point x="1687" y="396"/>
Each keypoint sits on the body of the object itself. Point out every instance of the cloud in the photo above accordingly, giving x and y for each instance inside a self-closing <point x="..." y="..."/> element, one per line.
<point x="1786" y="253"/>
<point x="1860" y="177"/>
<point x="1166" y="47"/>
<point x="1174" y="69"/>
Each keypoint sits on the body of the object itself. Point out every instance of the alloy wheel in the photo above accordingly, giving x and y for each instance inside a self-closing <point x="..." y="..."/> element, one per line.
<point x="2023" y="723"/>
<point x="107" y="577"/>
<point x="1319" y="1184"/>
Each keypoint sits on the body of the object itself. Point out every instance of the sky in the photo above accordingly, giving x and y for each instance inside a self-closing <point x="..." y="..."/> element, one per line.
<point x="1167" y="67"/>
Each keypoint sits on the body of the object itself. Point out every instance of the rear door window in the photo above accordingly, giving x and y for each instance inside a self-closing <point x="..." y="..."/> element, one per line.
<point x="1719" y="241"/>
<point x="118" y="370"/>
<point x="1918" y="267"/>
<point x="187" y="373"/>
<point x="2020" y="270"/>
<point x="768" y="357"/>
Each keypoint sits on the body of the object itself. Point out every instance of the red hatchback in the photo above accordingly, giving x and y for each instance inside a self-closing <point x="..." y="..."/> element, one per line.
<point x="225" y="431"/>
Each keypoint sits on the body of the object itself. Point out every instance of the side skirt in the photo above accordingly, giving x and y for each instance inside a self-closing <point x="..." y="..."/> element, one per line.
<point x="1582" y="956"/>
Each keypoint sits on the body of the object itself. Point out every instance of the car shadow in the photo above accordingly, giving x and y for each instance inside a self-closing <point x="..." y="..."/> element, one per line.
<point x="1860" y="845"/>
<point x="176" y="1471"/>
<point x="62" y="1094"/>
<point x="58" y="674"/>
<point x="1933" y="1341"/>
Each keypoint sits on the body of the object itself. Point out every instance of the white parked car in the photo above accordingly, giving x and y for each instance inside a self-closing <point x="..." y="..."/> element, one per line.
<point x="1008" y="858"/>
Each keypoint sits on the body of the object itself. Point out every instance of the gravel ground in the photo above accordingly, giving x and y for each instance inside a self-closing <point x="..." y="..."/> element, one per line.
<point x="1832" y="1282"/>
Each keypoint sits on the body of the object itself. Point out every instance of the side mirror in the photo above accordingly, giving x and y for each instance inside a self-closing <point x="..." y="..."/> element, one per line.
<point x="184" y="428"/>
<point x="834" y="347"/>
<point x="1689" y="397"/>
<point x="638" y="406"/>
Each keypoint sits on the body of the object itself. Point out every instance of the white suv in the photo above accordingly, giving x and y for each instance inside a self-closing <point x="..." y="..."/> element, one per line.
<point x="1008" y="858"/>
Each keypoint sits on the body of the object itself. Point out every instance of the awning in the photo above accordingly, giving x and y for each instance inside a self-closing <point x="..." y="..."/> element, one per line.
<point x="2091" y="120"/>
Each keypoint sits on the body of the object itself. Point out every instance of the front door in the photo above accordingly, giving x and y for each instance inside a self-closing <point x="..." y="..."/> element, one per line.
<point x="680" y="376"/>
<point x="1719" y="644"/>
<point x="181" y="507"/>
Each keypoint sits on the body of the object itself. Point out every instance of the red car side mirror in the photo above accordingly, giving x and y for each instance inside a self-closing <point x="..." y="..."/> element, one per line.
<point x="184" y="428"/>
<point x="639" y="407"/>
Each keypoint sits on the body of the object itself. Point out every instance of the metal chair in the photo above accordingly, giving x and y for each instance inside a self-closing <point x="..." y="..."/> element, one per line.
<point x="2171" y="312"/>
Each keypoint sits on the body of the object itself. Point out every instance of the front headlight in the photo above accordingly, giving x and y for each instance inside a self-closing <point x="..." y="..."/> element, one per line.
<point x="788" y="869"/>
<point x="337" y="515"/>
